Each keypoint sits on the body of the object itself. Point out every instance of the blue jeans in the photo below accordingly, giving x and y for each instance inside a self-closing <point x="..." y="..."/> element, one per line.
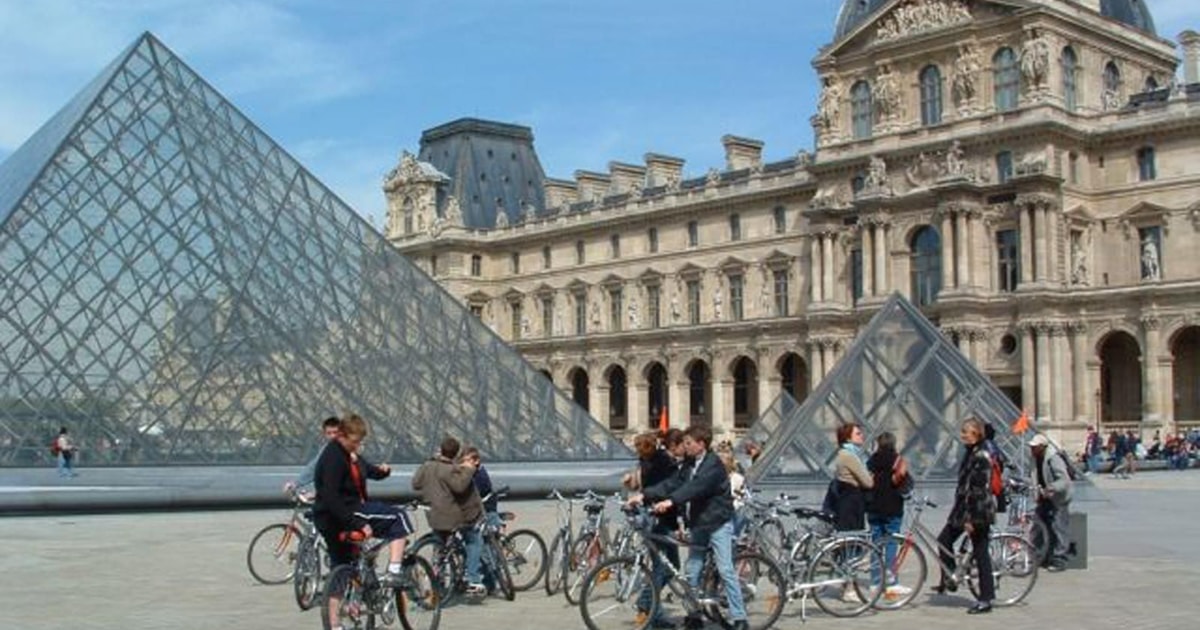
<point x="1093" y="462"/>
<point x="65" y="469"/>
<point x="720" y="543"/>
<point x="658" y="572"/>
<point x="474" y="548"/>
<point x="882" y="526"/>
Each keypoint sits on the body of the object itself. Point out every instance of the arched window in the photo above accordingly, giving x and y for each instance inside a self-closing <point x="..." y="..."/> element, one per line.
<point x="618" y="420"/>
<point x="1151" y="84"/>
<point x="1112" y="86"/>
<point x="1006" y="77"/>
<point x="926" y="248"/>
<point x="1070" y="66"/>
<point x="931" y="96"/>
<point x="861" y="109"/>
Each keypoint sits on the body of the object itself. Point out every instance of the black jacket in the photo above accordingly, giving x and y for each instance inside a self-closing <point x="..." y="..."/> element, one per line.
<point x="884" y="498"/>
<point x="705" y="491"/>
<point x="338" y="497"/>
<point x="973" y="500"/>
<point x="655" y="470"/>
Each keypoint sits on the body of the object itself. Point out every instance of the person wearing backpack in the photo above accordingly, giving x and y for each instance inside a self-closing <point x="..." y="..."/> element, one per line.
<point x="65" y="451"/>
<point x="885" y="502"/>
<point x="973" y="512"/>
<point x="1053" y="478"/>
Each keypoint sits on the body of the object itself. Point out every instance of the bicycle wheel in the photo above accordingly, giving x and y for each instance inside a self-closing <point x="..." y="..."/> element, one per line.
<point x="584" y="557"/>
<point x="418" y="602"/>
<point x="609" y="594"/>
<point x="771" y="536"/>
<point x="1038" y="535"/>
<point x="525" y="553"/>
<point x="272" y="553"/>
<point x="306" y="578"/>
<point x="557" y="561"/>
<point x="447" y="567"/>
<point x="493" y="551"/>
<point x="763" y="589"/>
<point x="841" y="577"/>
<point x="1014" y="569"/>
<point x="343" y="590"/>
<point x="906" y="572"/>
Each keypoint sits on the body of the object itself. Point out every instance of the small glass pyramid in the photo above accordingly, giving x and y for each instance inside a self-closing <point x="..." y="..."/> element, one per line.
<point x="900" y="375"/>
<point x="176" y="289"/>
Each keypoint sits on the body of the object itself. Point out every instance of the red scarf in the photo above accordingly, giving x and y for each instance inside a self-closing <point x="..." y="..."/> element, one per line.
<point x="356" y="475"/>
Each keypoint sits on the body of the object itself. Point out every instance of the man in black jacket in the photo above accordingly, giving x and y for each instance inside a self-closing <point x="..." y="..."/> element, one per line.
<point x="701" y="490"/>
<point x="342" y="510"/>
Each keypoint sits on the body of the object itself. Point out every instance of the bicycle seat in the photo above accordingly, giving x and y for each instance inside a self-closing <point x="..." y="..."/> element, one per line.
<point x="593" y="508"/>
<point x="508" y="516"/>
<point x="354" y="537"/>
<point x="809" y="513"/>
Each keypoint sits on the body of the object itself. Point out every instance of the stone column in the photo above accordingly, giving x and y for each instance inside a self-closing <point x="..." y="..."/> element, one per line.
<point x="868" y="260"/>
<point x="1061" y="391"/>
<point x="1028" y="368"/>
<point x="962" y="245"/>
<point x="677" y="401"/>
<point x="1151" y="405"/>
<point x="1044" y="399"/>
<point x="769" y="386"/>
<point x="947" y="250"/>
<point x="638" y="401"/>
<point x="1040" y="245"/>
<point x="1080" y="393"/>
<point x="722" y="403"/>
<point x="1025" y="239"/>
<point x="880" y="266"/>
<point x="1052" y="220"/>
<point x="816" y="369"/>
<point x="815" y="271"/>
<point x="827" y="244"/>
<point x="598" y="401"/>
<point x="826" y="357"/>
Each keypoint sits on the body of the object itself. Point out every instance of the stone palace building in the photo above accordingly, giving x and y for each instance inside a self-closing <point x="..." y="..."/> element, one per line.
<point x="1025" y="171"/>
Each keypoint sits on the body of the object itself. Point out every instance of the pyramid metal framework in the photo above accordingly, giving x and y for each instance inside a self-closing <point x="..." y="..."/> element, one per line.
<point x="177" y="289"/>
<point x="901" y="375"/>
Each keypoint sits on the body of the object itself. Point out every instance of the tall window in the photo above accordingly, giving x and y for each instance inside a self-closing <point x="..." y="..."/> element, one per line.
<point x="1006" y="77"/>
<point x="861" y="110"/>
<point x="1073" y="168"/>
<point x="780" y="214"/>
<point x="1004" y="166"/>
<point x="781" y="293"/>
<point x="1112" y="86"/>
<point x="1008" y="257"/>
<point x="516" y="262"/>
<point x="548" y="316"/>
<point x="931" y="96"/>
<point x="652" y="240"/>
<point x="1070" y="69"/>
<point x="476" y="265"/>
<point x="515" y="311"/>
<point x="409" y="213"/>
<point x="1150" y="85"/>
<point x="693" y="301"/>
<point x="735" y="227"/>
<point x="856" y="274"/>
<point x="737" y="290"/>
<point x="433" y="265"/>
<point x="926" y="265"/>
<point x="581" y="306"/>
<point x="546" y="257"/>
<point x="616" y="307"/>
<point x="579" y="257"/>
<point x="693" y="230"/>
<point x="653" y="305"/>
<point x="1145" y="160"/>
<point x="615" y="243"/>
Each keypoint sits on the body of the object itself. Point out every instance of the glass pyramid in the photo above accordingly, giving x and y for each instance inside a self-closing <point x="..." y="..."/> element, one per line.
<point x="178" y="290"/>
<point x="900" y="375"/>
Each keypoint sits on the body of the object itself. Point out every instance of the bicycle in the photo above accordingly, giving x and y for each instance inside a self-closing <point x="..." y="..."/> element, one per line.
<point x="525" y="553"/>
<point x="1014" y="563"/>
<point x="449" y="560"/>
<point x="271" y="556"/>
<point x="573" y="554"/>
<point x="620" y="591"/>
<point x="1023" y="518"/>
<point x="361" y="596"/>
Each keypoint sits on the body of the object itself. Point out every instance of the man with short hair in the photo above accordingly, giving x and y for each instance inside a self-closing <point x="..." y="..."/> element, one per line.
<point x="448" y="487"/>
<point x="304" y="482"/>
<point x="1054" y="499"/>
<point x="701" y="488"/>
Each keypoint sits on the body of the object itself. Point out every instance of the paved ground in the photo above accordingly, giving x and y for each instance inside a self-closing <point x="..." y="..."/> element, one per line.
<point x="187" y="570"/>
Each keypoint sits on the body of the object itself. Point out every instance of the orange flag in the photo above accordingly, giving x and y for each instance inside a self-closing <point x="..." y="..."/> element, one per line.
<point x="1022" y="423"/>
<point x="663" y="424"/>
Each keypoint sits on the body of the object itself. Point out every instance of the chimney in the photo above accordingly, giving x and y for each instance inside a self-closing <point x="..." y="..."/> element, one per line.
<point x="592" y="186"/>
<point x="741" y="153"/>
<point x="560" y="192"/>
<point x="1190" y="42"/>
<point x="626" y="177"/>
<point x="662" y="170"/>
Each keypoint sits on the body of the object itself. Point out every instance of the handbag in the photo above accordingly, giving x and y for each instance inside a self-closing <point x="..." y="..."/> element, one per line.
<point x="904" y="485"/>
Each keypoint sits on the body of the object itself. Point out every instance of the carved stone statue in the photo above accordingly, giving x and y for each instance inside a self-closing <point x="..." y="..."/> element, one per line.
<point x="920" y="16"/>
<point x="675" y="313"/>
<point x="963" y="78"/>
<point x="955" y="165"/>
<point x="1079" y="259"/>
<point x="1150" y="260"/>
<point x="764" y="297"/>
<point x="718" y="302"/>
<point x="829" y="105"/>
<point x="713" y="178"/>
<point x="501" y="218"/>
<point x="1031" y="163"/>
<point x="558" y="321"/>
<point x="635" y="318"/>
<point x="1035" y="60"/>
<point x="453" y="211"/>
<point x="886" y="95"/>
<point x="525" y="326"/>
<point x="594" y="315"/>
<point x="877" y="177"/>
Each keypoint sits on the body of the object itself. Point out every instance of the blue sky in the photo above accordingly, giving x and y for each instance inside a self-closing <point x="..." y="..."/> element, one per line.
<point x="346" y="85"/>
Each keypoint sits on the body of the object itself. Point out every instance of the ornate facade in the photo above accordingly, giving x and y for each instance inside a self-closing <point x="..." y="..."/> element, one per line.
<point x="1022" y="171"/>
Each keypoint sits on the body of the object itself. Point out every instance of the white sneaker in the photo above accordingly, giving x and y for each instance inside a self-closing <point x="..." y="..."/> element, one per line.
<point x="897" y="591"/>
<point x="850" y="596"/>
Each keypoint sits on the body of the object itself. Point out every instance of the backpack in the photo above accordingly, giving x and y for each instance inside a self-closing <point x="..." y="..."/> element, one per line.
<point x="1072" y="474"/>
<point x="996" y="483"/>
<point x="54" y="447"/>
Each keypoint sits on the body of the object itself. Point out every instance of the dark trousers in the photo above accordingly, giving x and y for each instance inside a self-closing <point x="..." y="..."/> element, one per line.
<point x="979" y="551"/>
